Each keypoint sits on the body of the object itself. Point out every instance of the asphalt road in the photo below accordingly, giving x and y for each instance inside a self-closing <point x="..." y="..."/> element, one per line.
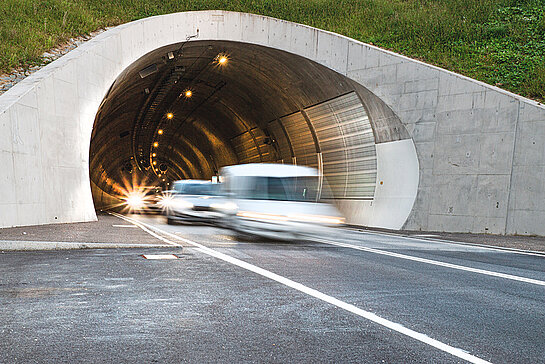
<point x="353" y="297"/>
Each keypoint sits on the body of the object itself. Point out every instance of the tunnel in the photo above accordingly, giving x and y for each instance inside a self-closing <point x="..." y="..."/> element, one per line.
<point x="185" y="110"/>
<point x="404" y="144"/>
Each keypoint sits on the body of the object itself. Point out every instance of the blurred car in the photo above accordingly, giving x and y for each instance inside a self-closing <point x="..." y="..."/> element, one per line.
<point x="144" y="199"/>
<point x="277" y="201"/>
<point x="191" y="201"/>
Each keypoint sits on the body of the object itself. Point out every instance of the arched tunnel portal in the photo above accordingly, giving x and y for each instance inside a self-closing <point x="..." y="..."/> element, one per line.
<point x="405" y="144"/>
<point x="186" y="109"/>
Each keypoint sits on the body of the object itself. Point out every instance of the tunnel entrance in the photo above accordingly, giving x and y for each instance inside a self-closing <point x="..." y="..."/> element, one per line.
<point x="187" y="109"/>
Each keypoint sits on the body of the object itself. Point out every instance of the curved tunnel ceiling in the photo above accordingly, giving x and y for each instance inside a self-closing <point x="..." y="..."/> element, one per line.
<point x="227" y="119"/>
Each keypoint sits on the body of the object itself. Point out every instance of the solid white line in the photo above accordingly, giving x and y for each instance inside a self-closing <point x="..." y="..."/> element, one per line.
<point x="317" y="294"/>
<point x="438" y="240"/>
<point x="137" y="223"/>
<point x="435" y="262"/>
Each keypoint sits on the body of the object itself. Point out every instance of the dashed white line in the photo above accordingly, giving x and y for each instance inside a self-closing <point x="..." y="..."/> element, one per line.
<point x="462" y="354"/>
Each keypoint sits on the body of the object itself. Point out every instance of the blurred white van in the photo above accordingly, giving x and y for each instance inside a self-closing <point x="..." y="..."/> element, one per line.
<point x="276" y="201"/>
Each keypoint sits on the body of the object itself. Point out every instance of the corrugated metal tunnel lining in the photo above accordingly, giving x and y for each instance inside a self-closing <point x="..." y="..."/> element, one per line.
<point x="262" y="105"/>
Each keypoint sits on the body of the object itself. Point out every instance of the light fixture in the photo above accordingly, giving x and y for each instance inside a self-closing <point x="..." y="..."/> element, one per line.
<point x="160" y="131"/>
<point x="156" y="144"/>
<point x="149" y="70"/>
<point x="170" y="115"/>
<point x="154" y="155"/>
<point x="154" y="163"/>
<point x="188" y="93"/>
<point x="222" y="60"/>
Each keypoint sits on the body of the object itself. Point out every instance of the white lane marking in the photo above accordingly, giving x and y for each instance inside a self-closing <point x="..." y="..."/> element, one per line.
<point x="420" y="238"/>
<point x="462" y="354"/>
<point x="135" y="222"/>
<point x="125" y="226"/>
<point x="435" y="262"/>
<point x="488" y="247"/>
<point x="159" y="256"/>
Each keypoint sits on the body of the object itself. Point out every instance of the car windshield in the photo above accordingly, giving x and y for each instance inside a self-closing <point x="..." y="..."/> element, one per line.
<point x="306" y="189"/>
<point x="196" y="188"/>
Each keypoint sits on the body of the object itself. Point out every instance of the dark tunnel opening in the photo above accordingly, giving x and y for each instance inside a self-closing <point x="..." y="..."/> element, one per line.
<point x="188" y="109"/>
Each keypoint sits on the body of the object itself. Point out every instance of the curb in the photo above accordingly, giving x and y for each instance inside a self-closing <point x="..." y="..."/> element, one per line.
<point x="8" y="245"/>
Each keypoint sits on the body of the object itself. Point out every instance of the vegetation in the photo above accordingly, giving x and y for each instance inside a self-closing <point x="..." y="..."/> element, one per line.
<point x="501" y="42"/>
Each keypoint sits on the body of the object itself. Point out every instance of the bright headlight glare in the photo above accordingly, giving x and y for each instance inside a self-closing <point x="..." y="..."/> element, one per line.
<point x="165" y="201"/>
<point x="134" y="200"/>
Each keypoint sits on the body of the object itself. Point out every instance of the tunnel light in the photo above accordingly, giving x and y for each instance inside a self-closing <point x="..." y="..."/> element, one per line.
<point x="160" y="131"/>
<point x="154" y="155"/>
<point x="222" y="59"/>
<point x="188" y="93"/>
<point x="170" y="115"/>
<point x="156" y="144"/>
<point x="154" y="163"/>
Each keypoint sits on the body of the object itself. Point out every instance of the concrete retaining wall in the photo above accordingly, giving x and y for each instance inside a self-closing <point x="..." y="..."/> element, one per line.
<point x="481" y="150"/>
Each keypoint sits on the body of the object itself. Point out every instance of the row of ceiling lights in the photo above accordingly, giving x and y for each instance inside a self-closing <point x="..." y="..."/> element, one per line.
<point x="222" y="60"/>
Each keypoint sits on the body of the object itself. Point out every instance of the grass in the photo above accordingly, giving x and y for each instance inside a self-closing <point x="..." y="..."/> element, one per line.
<point x="500" y="42"/>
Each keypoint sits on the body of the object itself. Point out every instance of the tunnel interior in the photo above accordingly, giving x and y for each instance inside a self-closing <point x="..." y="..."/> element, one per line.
<point x="185" y="110"/>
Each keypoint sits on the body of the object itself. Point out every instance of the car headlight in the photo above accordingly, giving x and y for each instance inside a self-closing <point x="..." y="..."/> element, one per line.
<point x="134" y="201"/>
<point x="165" y="201"/>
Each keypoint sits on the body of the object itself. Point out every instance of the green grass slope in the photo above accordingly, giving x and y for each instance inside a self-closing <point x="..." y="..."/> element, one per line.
<point x="500" y="42"/>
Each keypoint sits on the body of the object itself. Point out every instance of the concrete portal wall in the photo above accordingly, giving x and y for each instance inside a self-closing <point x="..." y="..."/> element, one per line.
<point x="481" y="151"/>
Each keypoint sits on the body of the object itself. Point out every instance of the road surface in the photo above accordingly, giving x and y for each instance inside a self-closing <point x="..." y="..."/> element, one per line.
<point x="350" y="297"/>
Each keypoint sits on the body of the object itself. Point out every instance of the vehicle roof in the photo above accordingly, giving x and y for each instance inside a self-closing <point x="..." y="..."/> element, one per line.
<point x="269" y="170"/>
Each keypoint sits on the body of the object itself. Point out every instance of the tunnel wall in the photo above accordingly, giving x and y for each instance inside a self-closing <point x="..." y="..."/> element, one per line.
<point x="481" y="150"/>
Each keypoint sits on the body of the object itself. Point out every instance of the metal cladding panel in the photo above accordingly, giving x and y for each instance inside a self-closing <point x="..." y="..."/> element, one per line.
<point x="301" y="139"/>
<point x="246" y="149"/>
<point x="347" y="144"/>
<point x="281" y="141"/>
<point x="250" y="147"/>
